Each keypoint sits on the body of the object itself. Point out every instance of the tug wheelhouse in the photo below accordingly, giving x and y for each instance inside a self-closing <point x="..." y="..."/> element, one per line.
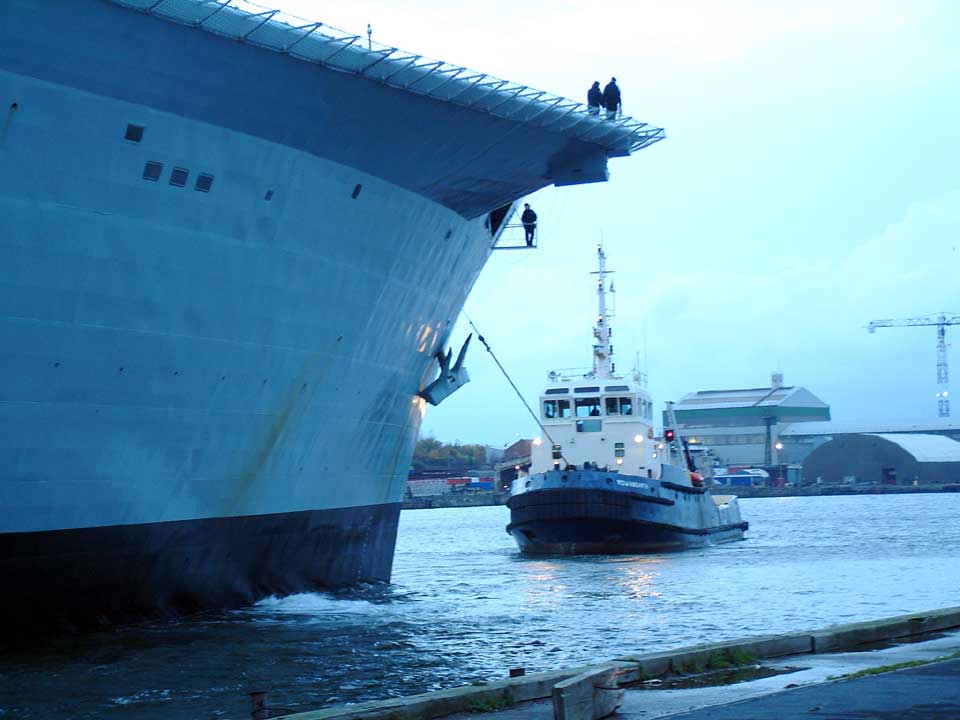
<point x="603" y="425"/>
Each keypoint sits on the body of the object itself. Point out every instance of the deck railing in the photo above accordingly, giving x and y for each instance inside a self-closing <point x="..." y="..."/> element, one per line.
<point x="324" y="45"/>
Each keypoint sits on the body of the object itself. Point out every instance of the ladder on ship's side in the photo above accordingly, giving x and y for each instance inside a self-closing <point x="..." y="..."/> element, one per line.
<point x="516" y="240"/>
<point x="507" y="235"/>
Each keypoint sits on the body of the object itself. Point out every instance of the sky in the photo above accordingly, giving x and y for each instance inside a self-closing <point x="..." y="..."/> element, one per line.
<point x="809" y="183"/>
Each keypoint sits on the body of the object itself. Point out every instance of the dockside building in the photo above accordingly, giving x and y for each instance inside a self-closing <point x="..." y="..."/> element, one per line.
<point x="885" y="459"/>
<point x="744" y="426"/>
<point x="802" y="439"/>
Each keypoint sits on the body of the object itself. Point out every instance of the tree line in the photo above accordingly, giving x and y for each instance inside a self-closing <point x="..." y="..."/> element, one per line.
<point x="431" y="454"/>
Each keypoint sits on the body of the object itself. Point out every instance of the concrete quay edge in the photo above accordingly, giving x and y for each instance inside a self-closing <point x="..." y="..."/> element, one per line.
<point x="501" y="693"/>
<point x="440" y="703"/>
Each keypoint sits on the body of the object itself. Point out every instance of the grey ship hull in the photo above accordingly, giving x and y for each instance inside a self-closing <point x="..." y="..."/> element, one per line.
<point x="209" y="386"/>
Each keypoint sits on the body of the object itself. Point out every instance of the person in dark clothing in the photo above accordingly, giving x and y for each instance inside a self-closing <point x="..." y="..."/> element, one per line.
<point x="594" y="98"/>
<point x="611" y="98"/>
<point x="529" y="220"/>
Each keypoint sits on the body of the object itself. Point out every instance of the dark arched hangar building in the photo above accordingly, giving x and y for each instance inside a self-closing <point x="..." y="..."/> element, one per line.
<point x="891" y="459"/>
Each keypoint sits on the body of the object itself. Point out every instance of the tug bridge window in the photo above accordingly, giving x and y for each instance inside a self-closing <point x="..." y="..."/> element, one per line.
<point x="588" y="407"/>
<point x="554" y="409"/>
<point x="619" y="405"/>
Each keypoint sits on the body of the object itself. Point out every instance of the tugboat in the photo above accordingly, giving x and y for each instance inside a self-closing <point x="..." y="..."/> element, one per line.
<point x="600" y="482"/>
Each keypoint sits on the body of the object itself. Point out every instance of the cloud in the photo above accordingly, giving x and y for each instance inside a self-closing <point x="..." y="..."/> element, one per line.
<point x="807" y="186"/>
<point x="808" y="319"/>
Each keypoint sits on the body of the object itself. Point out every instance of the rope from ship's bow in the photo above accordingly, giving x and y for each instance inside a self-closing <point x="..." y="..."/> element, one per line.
<point x="536" y="419"/>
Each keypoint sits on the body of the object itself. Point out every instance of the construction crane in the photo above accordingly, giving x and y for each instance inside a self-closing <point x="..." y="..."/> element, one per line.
<point x="940" y="322"/>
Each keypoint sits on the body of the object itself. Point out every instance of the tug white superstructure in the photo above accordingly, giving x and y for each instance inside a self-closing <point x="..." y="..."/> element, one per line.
<point x="598" y="417"/>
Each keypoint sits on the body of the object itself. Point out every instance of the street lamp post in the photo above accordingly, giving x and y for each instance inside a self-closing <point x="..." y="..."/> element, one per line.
<point x="780" y="474"/>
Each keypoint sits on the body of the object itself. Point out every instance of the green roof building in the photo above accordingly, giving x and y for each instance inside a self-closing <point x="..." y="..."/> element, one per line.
<point x="742" y="427"/>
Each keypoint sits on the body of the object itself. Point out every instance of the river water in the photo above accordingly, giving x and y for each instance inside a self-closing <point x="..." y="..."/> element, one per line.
<point x="464" y="606"/>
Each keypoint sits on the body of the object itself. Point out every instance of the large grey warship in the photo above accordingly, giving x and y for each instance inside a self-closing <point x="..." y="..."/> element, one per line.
<point x="233" y="242"/>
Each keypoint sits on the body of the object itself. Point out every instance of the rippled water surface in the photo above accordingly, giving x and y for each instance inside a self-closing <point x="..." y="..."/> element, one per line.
<point x="465" y="606"/>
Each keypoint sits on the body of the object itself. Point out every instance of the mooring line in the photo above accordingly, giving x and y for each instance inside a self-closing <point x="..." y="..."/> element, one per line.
<point x="536" y="419"/>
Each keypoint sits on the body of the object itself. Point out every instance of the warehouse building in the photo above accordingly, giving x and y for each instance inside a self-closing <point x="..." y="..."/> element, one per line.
<point x="743" y="427"/>
<point x="803" y="438"/>
<point x="887" y="459"/>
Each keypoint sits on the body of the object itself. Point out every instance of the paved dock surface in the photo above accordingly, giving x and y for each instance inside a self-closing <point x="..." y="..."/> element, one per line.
<point x="809" y="687"/>
<point x="921" y="693"/>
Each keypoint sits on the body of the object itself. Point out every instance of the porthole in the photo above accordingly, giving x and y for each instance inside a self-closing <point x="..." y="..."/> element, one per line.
<point x="356" y="190"/>
<point x="152" y="171"/>
<point x="204" y="182"/>
<point x="178" y="178"/>
<point x="134" y="133"/>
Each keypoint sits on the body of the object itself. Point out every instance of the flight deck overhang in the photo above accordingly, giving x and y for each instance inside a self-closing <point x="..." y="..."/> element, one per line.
<point x="465" y="139"/>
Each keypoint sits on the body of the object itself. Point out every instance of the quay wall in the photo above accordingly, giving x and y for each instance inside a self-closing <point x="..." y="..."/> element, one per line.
<point x="633" y="668"/>
<point x="471" y="499"/>
<point x="827" y="490"/>
<point x="480" y="499"/>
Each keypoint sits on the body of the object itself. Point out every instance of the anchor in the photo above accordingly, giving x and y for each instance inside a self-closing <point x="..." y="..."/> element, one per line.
<point x="450" y="378"/>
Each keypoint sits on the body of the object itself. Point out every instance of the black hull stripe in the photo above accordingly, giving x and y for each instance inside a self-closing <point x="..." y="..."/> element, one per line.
<point x="74" y="579"/>
<point x="593" y="536"/>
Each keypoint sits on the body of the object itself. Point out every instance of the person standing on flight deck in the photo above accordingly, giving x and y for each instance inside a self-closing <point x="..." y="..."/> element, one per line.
<point x="611" y="99"/>
<point x="594" y="98"/>
<point x="529" y="220"/>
